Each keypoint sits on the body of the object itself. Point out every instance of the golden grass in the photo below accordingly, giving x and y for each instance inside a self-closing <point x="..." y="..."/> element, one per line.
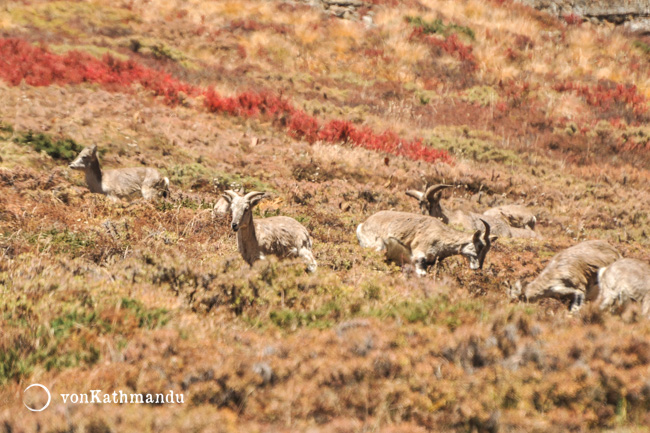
<point x="363" y="344"/>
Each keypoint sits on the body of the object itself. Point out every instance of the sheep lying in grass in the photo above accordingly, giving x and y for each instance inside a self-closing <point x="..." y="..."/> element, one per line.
<point x="623" y="281"/>
<point x="221" y="207"/>
<point x="280" y="236"/>
<point x="127" y="183"/>
<point x="515" y="215"/>
<point x="571" y="273"/>
<point x="422" y="240"/>
<point x="429" y="202"/>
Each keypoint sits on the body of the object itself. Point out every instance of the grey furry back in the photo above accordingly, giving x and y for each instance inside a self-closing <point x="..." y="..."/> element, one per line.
<point x="576" y="267"/>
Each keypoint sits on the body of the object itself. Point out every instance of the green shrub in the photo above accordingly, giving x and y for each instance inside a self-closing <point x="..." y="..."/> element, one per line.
<point x="645" y="48"/>
<point x="147" y="318"/>
<point x="66" y="149"/>
<point x="438" y="27"/>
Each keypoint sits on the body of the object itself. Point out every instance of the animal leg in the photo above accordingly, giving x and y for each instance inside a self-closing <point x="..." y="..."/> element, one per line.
<point x="420" y="263"/>
<point x="578" y="299"/>
<point x="396" y="251"/>
<point x="308" y="257"/>
<point x="148" y="193"/>
<point x="607" y="302"/>
<point x="645" y="307"/>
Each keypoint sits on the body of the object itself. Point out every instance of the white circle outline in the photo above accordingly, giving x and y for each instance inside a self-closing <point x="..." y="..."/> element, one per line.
<point x="49" y="397"/>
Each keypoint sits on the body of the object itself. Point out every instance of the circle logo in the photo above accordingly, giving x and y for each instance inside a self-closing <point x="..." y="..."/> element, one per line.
<point x="49" y="397"/>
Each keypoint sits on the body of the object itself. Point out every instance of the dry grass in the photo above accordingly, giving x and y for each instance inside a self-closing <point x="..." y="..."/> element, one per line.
<point x="154" y="296"/>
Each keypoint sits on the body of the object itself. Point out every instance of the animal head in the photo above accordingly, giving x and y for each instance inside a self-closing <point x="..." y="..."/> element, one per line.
<point x="221" y="208"/>
<point x="85" y="158"/>
<point x="429" y="200"/>
<point x="241" y="207"/>
<point x="514" y="291"/>
<point x="476" y="250"/>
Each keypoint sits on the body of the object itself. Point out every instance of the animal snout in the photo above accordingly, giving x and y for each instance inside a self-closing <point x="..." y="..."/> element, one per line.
<point x="234" y="226"/>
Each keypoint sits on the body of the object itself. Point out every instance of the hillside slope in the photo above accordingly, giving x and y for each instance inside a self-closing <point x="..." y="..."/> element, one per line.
<point x="336" y="118"/>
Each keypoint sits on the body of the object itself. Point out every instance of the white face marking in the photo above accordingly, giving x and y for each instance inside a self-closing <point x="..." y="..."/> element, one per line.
<point x="82" y="160"/>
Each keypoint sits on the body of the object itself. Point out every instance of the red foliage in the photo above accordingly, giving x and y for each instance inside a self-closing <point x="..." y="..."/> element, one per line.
<point x="38" y="67"/>
<point x="573" y="19"/>
<point x="248" y="104"/>
<point x="373" y="52"/>
<point x="512" y="54"/>
<point x="336" y="130"/>
<point x="450" y="45"/>
<point x="515" y="94"/>
<point x="604" y="96"/>
<point x="387" y="141"/>
<point x="241" y="50"/>
<point x="302" y="125"/>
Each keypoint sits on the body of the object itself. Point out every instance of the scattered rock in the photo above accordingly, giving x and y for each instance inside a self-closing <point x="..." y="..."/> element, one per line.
<point x="633" y="14"/>
<point x="345" y="9"/>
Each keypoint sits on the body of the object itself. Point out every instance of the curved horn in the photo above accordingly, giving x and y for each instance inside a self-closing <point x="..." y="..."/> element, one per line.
<point x="429" y="193"/>
<point x="230" y="194"/>
<point x="486" y="237"/>
<point x="415" y="194"/>
<point x="251" y="195"/>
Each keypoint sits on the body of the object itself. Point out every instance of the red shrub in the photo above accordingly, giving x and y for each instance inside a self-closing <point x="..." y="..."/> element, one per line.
<point x="373" y="52"/>
<point x="38" y="67"/>
<point x="512" y="54"/>
<point x="605" y="95"/>
<point x="241" y="51"/>
<point x="387" y="141"/>
<point x="302" y="125"/>
<point x="573" y="19"/>
<point x="336" y="130"/>
<point x="247" y="104"/>
<point x="450" y="45"/>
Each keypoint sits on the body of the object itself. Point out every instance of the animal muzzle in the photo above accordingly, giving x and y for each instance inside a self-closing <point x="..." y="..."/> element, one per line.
<point x="234" y="226"/>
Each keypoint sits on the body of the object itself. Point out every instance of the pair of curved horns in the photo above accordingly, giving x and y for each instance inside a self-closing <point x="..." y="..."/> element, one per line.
<point x="429" y="193"/>
<point x="433" y="189"/>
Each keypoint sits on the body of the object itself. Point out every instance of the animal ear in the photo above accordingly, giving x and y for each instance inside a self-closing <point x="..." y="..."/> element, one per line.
<point x="415" y="194"/>
<point x="93" y="149"/>
<point x="493" y="238"/>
